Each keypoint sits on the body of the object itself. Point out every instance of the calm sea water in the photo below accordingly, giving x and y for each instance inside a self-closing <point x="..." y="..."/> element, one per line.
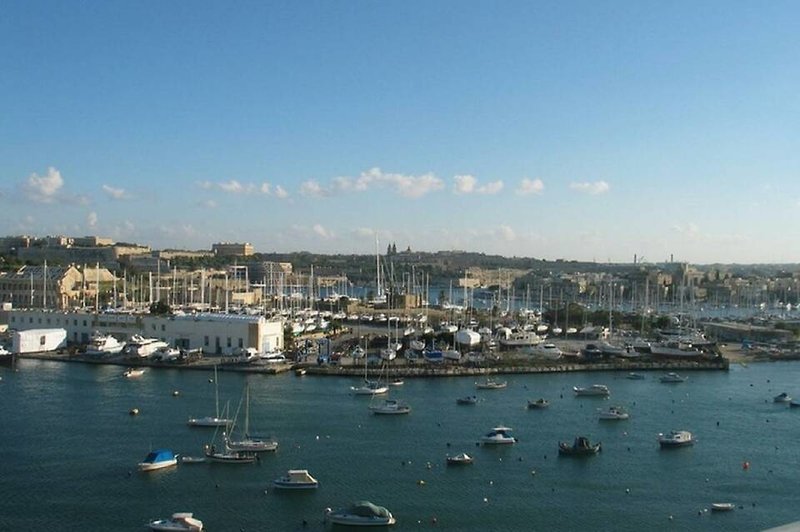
<point x="69" y="452"/>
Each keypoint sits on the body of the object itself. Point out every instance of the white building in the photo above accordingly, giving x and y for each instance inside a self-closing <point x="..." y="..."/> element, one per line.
<point x="220" y="334"/>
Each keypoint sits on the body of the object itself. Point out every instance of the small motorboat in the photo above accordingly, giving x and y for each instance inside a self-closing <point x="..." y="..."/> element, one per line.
<point x="396" y="382"/>
<point x="469" y="400"/>
<point x="178" y="522"/>
<point x="672" y="377"/>
<point x="722" y="506"/>
<point x="390" y="407"/>
<point x="580" y="447"/>
<point x="361" y="513"/>
<point x="794" y="404"/>
<point x="498" y="436"/>
<point x="635" y="376"/>
<point x="193" y="459"/>
<point x="782" y="398"/>
<point x="491" y="384"/>
<point x="132" y="373"/>
<point x="300" y="371"/>
<point x="600" y="390"/>
<point x="675" y="438"/>
<point x="539" y="403"/>
<point x="158" y="459"/>
<point x="459" y="459"/>
<point x="614" y="413"/>
<point x="296" y="479"/>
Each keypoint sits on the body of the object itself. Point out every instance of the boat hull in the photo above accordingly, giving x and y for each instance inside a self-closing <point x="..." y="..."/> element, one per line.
<point x="153" y="466"/>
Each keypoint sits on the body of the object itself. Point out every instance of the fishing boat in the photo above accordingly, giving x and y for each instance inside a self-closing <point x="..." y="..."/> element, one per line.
<point x="133" y="373"/>
<point x="614" y="413"/>
<point x="469" y="400"/>
<point x="491" y="384"/>
<point x="498" y="436"/>
<point x="361" y="513"/>
<point x="215" y="420"/>
<point x="179" y="521"/>
<point x="539" y="403"/>
<point x="296" y="479"/>
<point x="158" y="459"/>
<point x="390" y="407"/>
<point x="593" y="390"/>
<point x="459" y="459"/>
<point x="580" y="447"/>
<point x="248" y="443"/>
<point x="672" y="377"/>
<point x="722" y="506"/>
<point x="675" y="438"/>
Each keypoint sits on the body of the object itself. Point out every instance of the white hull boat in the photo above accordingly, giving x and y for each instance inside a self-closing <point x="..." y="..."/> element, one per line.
<point x="614" y="413"/>
<point x="390" y="407"/>
<point x="499" y="436"/>
<point x="158" y="459"/>
<point x="362" y="513"/>
<point x="296" y="479"/>
<point x="597" y="390"/>
<point x="181" y="521"/>
<point x="671" y="378"/>
<point x="676" y="438"/>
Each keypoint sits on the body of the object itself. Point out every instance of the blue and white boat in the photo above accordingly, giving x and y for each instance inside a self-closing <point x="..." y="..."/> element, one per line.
<point x="158" y="459"/>
<point x="498" y="436"/>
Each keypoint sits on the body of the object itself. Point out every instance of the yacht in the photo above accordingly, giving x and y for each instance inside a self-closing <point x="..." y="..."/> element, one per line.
<point x="180" y="521"/>
<point x="104" y="344"/>
<point x="390" y="407"/>
<point x="498" y="436"/>
<point x="296" y="479"/>
<point x="519" y="338"/>
<point x="672" y="377"/>
<point x="369" y="388"/>
<point x="143" y="347"/>
<point x="546" y="350"/>
<point x="676" y="438"/>
<point x="614" y="413"/>
<point x="593" y="390"/>
<point x="158" y="459"/>
<point x="361" y="513"/>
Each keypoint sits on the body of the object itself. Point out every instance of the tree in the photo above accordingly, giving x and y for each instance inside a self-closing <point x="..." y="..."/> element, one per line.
<point x="160" y="308"/>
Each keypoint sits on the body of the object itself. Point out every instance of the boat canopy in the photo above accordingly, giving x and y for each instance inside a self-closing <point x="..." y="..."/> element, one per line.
<point x="367" y="509"/>
<point x="160" y="455"/>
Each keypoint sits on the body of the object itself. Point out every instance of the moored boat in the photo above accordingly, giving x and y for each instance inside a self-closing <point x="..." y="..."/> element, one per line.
<point x="782" y="398"/>
<point x="675" y="438"/>
<point x="491" y="384"/>
<point x="593" y="390"/>
<point x="672" y="377"/>
<point x="635" y="376"/>
<point x="539" y="403"/>
<point x="158" y="459"/>
<point x="498" y="436"/>
<point x="459" y="459"/>
<point x="390" y="407"/>
<point x="178" y="522"/>
<point x="580" y="447"/>
<point x="614" y="413"/>
<point x="296" y="479"/>
<point x="132" y="373"/>
<point x="722" y="506"/>
<point x="469" y="400"/>
<point x="361" y="513"/>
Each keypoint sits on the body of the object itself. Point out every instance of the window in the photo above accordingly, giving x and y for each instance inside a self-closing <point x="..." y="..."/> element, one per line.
<point x="205" y="341"/>
<point x="163" y="328"/>
<point x="241" y="343"/>
<point x="84" y="323"/>
<point x="229" y="341"/>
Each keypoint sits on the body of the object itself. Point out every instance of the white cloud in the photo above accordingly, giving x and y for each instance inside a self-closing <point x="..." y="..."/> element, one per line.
<point x="234" y="187"/>
<point x="465" y="184"/>
<point x="322" y="232"/>
<point x="593" y="188"/>
<point x="44" y="189"/>
<point x="363" y="232"/>
<point x="505" y="233"/>
<point x="280" y="192"/>
<point x="91" y="220"/>
<point x="530" y="186"/>
<point x="206" y="185"/>
<point x="468" y="184"/>
<point x="115" y="193"/>
<point x="266" y="188"/>
<point x="208" y="204"/>
<point x="313" y="189"/>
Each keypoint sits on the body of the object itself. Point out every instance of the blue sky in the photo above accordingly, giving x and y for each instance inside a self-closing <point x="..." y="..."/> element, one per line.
<point x="577" y="130"/>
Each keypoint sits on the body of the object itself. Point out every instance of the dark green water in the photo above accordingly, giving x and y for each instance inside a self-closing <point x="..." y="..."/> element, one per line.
<point x="70" y="451"/>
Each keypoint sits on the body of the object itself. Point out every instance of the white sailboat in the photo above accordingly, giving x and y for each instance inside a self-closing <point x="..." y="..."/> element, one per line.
<point x="369" y="387"/>
<point x="250" y="443"/>
<point x="215" y="420"/>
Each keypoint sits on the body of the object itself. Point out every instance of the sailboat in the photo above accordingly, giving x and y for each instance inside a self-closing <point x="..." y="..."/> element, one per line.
<point x="211" y="421"/>
<point x="250" y="443"/>
<point x="369" y="387"/>
<point x="225" y="455"/>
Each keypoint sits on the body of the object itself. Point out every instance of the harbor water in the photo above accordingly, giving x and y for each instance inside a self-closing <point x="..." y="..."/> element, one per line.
<point x="70" y="449"/>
